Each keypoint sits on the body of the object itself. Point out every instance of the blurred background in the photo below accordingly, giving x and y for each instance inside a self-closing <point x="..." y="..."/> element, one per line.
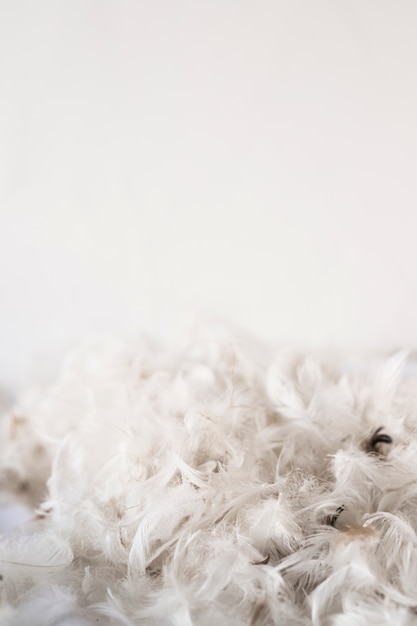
<point x="163" y="159"/>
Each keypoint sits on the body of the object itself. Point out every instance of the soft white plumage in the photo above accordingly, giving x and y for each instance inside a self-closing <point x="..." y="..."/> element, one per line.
<point x="222" y="484"/>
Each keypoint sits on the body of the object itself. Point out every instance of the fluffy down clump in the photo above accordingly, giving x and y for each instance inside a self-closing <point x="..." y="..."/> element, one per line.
<point x="222" y="485"/>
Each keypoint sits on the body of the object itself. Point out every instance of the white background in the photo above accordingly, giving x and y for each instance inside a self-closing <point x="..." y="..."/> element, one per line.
<point x="255" y="159"/>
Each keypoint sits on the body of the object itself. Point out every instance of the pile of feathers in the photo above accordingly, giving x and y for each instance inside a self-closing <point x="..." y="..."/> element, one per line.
<point x="223" y="483"/>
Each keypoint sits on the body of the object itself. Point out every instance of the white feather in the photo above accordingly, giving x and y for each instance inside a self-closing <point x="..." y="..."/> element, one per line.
<point x="223" y="484"/>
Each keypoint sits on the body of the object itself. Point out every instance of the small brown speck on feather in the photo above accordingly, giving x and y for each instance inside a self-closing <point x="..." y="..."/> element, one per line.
<point x="264" y="561"/>
<point x="356" y="532"/>
<point x="15" y="423"/>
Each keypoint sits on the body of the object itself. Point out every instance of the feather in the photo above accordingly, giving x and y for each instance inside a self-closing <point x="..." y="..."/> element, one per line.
<point x="225" y="483"/>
